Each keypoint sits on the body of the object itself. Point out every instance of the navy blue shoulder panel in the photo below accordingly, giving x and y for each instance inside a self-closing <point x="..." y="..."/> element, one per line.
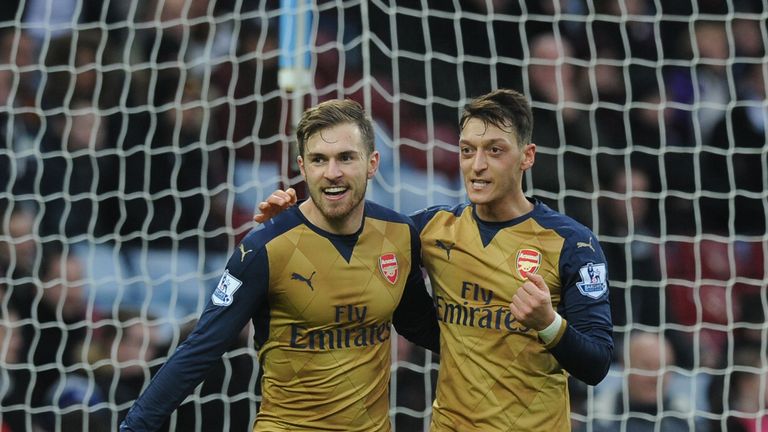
<point x="262" y="234"/>
<point x="378" y="211"/>
<point x="567" y="227"/>
<point x="580" y="245"/>
<point x="422" y="217"/>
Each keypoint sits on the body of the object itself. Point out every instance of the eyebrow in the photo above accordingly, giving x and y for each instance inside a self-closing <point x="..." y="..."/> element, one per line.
<point x="486" y="141"/>
<point x="339" y="154"/>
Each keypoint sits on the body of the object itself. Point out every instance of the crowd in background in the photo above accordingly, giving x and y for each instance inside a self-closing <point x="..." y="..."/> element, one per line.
<point x="134" y="147"/>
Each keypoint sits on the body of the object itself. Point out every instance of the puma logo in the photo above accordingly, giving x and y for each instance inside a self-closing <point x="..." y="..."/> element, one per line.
<point x="308" y="281"/>
<point x="586" y="245"/>
<point x="446" y="248"/>
<point x="244" y="252"/>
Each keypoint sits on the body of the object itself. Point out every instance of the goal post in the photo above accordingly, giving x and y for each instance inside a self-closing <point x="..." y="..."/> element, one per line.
<point x="136" y="138"/>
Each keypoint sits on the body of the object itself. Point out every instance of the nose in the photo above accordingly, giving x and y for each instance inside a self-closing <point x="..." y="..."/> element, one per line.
<point x="332" y="170"/>
<point x="479" y="162"/>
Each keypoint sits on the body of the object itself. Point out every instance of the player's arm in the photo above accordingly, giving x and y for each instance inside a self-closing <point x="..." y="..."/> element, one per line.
<point x="584" y="343"/>
<point x="415" y="317"/>
<point x="229" y="309"/>
<point x="579" y="335"/>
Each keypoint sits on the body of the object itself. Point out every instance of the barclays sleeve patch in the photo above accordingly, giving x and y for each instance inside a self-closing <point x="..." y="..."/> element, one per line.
<point x="224" y="293"/>
<point x="593" y="280"/>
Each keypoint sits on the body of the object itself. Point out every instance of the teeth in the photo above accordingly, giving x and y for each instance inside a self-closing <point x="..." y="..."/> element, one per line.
<point x="335" y="190"/>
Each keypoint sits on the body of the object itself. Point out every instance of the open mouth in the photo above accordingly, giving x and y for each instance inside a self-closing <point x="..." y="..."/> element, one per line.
<point x="334" y="191"/>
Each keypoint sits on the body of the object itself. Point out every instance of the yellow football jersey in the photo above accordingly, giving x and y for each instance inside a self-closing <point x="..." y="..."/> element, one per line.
<point x="322" y="306"/>
<point x="496" y="374"/>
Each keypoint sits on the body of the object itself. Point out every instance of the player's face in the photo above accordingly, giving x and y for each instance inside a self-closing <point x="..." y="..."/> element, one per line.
<point x="337" y="169"/>
<point x="493" y="164"/>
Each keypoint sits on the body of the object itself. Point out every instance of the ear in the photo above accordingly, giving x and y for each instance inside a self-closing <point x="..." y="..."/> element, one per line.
<point x="300" y="161"/>
<point x="529" y="156"/>
<point x="373" y="164"/>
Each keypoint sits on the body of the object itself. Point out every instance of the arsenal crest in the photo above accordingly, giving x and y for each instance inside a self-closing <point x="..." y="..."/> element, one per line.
<point x="388" y="267"/>
<point x="528" y="261"/>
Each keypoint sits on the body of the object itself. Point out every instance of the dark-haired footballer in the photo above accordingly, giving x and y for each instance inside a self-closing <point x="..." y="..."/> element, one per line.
<point x="521" y="290"/>
<point x="322" y="284"/>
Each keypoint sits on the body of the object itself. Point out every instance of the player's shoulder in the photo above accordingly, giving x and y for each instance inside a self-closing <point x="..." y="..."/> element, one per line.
<point x="566" y="226"/>
<point x="422" y="217"/>
<point x="265" y="232"/>
<point x="378" y="211"/>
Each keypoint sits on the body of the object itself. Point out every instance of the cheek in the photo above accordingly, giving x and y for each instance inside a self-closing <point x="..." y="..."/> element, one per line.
<point x="465" y="164"/>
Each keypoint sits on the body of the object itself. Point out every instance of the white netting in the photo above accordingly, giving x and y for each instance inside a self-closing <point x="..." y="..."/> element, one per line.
<point x="137" y="136"/>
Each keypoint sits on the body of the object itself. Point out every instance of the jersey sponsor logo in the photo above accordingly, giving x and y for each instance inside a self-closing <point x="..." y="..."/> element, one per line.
<point x="593" y="280"/>
<point x="308" y="281"/>
<point x="580" y="245"/>
<point x="388" y="267"/>
<point x="224" y="293"/>
<point x="445" y="246"/>
<point x="487" y="317"/>
<point x="244" y="252"/>
<point x="528" y="261"/>
<point x="353" y="336"/>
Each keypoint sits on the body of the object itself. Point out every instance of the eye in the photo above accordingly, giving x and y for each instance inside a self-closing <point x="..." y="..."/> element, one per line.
<point x="496" y="150"/>
<point x="466" y="150"/>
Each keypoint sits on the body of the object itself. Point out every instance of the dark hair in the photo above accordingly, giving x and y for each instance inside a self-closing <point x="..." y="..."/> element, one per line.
<point x="333" y="113"/>
<point x="504" y="109"/>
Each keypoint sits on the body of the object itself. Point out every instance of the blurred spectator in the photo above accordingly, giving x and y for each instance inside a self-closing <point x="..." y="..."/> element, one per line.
<point x="702" y="85"/>
<point x="738" y="143"/>
<point x="744" y="406"/>
<point x="13" y="377"/>
<point x="76" y="174"/>
<point x="660" y="147"/>
<point x="629" y="29"/>
<point x="628" y="227"/>
<point x="177" y="210"/>
<point x="81" y="403"/>
<point x="699" y="90"/>
<point x="646" y="402"/>
<point x="561" y="129"/>
<point x="539" y="21"/>
<point x="19" y="247"/>
<point x="251" y="121"/>
<point x="78" y="67"/>
<point x="121" y="354"/>
<point x="187" y="40"/>
<point x="707" y="295"/>
<point x="747" y="35"/>
<point x="19" y="257"/>
<point x="58" y="311"/>
<point x="20" y="122"/>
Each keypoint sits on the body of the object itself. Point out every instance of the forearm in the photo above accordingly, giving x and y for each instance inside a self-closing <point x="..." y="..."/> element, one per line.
<point x="586" y="357"/>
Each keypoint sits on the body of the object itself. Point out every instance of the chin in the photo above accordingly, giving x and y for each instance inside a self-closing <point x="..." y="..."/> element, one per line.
<point x="477" y="198"/>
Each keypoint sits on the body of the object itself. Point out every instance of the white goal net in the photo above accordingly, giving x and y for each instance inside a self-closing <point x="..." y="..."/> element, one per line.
<point x="137" y="136"/>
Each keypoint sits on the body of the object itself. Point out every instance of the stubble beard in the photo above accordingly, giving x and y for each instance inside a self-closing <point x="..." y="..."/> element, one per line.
<point x="338" y="210"/>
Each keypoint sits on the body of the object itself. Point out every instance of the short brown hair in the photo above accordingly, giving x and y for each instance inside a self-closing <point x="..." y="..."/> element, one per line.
<point x="332" y="113"/>
<point x="502" y="108"/>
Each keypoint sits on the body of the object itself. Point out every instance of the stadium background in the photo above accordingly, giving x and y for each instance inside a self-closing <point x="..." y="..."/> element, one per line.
<point x="137" y="136"/>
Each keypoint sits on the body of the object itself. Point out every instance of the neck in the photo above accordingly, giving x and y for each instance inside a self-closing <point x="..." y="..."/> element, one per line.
<point x="502" y="212"/>
<point x="344" y="225"/>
